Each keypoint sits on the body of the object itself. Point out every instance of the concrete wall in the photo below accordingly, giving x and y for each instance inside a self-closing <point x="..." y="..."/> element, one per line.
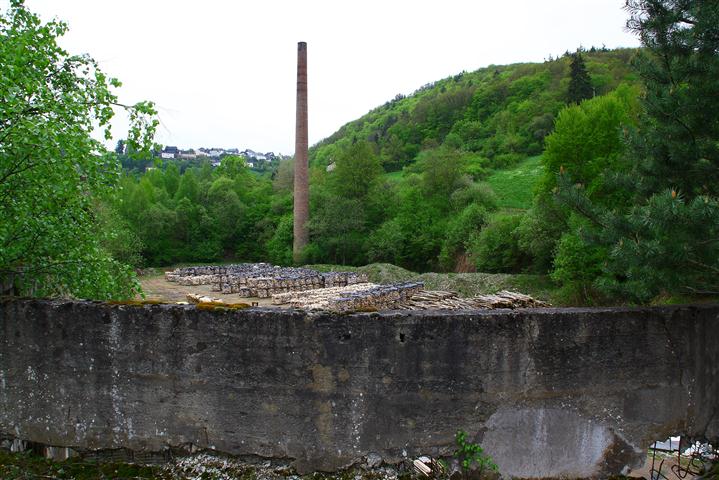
<point x="548" y="393"/>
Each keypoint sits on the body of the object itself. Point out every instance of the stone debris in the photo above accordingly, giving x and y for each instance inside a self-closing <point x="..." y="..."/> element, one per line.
<point x="374" y="460"/>
<point x="431" y="300"/>
<point x="194" y="298"/>
<point x="352" y="298"/>
<point x="261" y="279"/>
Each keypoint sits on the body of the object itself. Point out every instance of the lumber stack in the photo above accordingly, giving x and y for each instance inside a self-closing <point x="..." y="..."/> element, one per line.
<point x="351" y="298"/>
<point x="437" y="300"/>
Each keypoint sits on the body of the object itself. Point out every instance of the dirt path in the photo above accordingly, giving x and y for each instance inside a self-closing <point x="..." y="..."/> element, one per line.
<point x="157" y="288"/>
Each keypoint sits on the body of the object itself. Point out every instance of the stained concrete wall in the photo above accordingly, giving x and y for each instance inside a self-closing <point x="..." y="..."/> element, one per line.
<point x="548" y="393"/>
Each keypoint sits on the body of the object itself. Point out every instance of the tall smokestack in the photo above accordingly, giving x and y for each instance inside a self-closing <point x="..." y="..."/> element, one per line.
<point x="302" y="187"/>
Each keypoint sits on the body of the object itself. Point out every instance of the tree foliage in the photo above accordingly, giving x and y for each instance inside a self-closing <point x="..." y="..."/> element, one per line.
<point x="580" y="85"/>
<point x="447" y="137"/>
<point x="52" y="170"/>
<point x="501" y="113"/>
<point x="663" y="238"/>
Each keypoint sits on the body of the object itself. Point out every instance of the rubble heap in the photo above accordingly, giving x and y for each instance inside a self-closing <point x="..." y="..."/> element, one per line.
<point x="261" y="279"/>
<point x="352" y="298"/>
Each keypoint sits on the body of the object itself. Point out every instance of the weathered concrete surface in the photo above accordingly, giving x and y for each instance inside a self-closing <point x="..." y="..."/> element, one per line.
<point x="549" y="393"/>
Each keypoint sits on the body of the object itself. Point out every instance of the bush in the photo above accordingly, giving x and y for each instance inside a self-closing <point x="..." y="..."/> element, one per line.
<point x="279" y="248"/>
<point x="496" y="248"/>
<point x="576" y="266"/>
<point x="460" y="230"/>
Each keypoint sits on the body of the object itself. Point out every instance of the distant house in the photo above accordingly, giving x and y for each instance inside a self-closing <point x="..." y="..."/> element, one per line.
<point x="215" y="152"/>
<point x="250" y="164"/>
<point x="331" y="167"/>
<point x="254" y="155"/>
<point x="189" y="154"/>
<point x="169" y="152"/>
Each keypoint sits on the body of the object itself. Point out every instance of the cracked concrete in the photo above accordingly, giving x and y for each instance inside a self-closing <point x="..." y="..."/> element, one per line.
<point x="548" y="393"/>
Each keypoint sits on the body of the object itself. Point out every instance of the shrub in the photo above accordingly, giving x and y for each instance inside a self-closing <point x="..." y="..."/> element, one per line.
<point x="496" y="248"/>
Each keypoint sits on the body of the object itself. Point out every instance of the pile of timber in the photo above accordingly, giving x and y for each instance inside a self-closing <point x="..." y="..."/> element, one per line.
<point x="433" y="300"/>
<point x="351" y="298"/>
<point x="436" y="300"/>
<point x="507" y="299"/>
<point x="261" y="279"/>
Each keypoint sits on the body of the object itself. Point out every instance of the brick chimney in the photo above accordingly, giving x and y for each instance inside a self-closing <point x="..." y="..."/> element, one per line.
<point x="302" y="187"/>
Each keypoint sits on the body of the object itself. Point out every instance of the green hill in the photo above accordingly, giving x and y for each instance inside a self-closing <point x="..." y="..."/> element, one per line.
<point x="499" y="113"/>
<point x="435" y="181"/>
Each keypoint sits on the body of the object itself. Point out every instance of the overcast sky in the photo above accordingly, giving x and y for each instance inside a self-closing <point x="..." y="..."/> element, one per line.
<point x="223" y="73"/>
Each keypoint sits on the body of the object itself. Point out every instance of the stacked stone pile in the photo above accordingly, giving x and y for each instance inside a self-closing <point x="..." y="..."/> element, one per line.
<point x="208" y="274"/>
<point x="261" y="279"/>
<point x="351" y="298"/>
<point x="284" y="280"/>
<point x="266" y="283"/>
<point x="196" y="280"/>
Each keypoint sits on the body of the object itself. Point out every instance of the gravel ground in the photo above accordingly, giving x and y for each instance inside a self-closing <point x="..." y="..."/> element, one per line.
<point x="157" y="288"/>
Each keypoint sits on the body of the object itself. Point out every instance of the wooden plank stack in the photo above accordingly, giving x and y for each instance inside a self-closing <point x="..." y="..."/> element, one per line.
<point x="436" y="300"/>
<point x="351" y="298"/>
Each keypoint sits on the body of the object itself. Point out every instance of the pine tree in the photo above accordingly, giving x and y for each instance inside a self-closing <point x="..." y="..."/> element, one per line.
<point x="665" y="239"/>
<point x="580" y="85"/>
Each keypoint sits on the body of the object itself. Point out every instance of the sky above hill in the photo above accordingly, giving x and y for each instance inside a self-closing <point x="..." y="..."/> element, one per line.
<point x="223" y="73"/>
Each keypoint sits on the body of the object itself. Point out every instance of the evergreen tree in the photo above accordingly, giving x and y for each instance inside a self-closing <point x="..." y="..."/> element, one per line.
<point x="665" y="238"/>
<point x="580" y="85"/>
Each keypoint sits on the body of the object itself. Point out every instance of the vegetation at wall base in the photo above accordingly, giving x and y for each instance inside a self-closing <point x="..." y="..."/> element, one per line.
<point x="471" y="456"/>
<point x="30" y="466"/>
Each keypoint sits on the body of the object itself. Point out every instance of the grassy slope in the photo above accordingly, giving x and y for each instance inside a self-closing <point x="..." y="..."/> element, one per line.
<point x="466" y="284"/>
<point x="514" y="187"/>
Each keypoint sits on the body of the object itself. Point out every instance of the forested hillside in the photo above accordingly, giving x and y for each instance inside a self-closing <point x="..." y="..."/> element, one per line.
<point x="411" y="182"/>
<point x="497" y="115"/>
<point x="447" y="136"/>
<point x="599" y="168"/>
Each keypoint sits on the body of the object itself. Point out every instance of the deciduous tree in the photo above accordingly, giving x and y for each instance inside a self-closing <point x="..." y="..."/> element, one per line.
<point x="52" y="170"/>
